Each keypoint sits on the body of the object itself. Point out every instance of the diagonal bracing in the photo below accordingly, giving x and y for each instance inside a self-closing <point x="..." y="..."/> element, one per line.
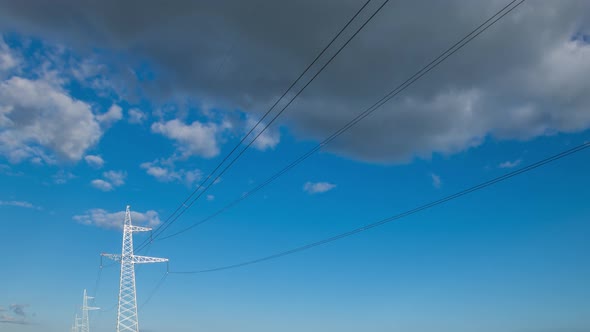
<point x="127" y="320"/>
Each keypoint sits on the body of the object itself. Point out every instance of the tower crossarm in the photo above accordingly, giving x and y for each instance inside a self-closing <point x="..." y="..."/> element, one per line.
<point x="145" y="259"/>
<point x="138" y="228"/>
<point x="85" y="325"/>
<point x="127" y="320"/>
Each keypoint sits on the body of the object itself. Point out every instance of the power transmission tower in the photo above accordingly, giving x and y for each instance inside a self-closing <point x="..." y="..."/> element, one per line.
<point x="76" y="326"/>
<point x="127" y="312"/>
<point x="85" y="326"/>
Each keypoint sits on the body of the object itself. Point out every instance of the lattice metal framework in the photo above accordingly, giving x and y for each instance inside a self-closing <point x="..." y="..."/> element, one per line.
<point x="77" y="324"/>
<point x="85" y="325"/>
<point x="127" y="320"/>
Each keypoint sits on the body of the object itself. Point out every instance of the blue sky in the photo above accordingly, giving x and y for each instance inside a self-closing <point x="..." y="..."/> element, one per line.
<point x="95" y="116"/>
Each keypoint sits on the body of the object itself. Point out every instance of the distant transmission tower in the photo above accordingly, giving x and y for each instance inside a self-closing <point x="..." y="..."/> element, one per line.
<point x="85" y="325"/>
<point x="127" y="312"/>
<point x="76" y="326"/>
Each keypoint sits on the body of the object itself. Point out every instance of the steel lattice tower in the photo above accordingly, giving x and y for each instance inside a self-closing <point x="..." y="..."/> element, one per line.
<point x="127" y="312"/>
<point x="85" y="325"/>
<point x="77" y="324"/>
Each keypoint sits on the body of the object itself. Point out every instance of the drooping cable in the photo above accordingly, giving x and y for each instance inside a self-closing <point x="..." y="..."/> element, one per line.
<point x="396" y="91"/>
<point x="154" y="291"/>
<point x="183" y="207"/>
<point x="400" y="215"/>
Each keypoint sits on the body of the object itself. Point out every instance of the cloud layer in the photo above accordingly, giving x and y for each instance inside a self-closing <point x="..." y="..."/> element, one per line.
<point x="114" y="220"/>
<point x="436" y="181"/>
<point x="195" y="139"/>
<point x="40" y="121"/>
<point x="94" y="161"/>
<point x="35" y="115"/>
<point x="165" y="171"/>
<point x="14" y="314"/>
<point x="523" y="78"/>
<point x="318" y="187"/>
<point x="22" y="204"/>
<point x="111" y="179"/>
<point x="510" y="164"/>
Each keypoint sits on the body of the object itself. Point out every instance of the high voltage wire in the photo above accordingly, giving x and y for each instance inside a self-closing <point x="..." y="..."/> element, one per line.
<point x="99" y="278"/>
<point x="97" y="283"/>
<point x="400" y="88"/>
<point x="160" y="230"/>
<point x="154" y="290"/>
<point x="183" y="207"/>
<point x="400" y="215"/>
<point x="169" y="220"/>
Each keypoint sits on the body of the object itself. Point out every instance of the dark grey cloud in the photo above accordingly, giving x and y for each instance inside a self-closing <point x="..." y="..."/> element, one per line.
<point x="5" y="319"/>
<point x="18" y="309"/>
<point x="14" y="314"/>
<point x="525" y="77"/>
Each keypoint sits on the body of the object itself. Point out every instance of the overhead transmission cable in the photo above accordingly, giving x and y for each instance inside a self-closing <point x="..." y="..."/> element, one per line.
<point x="165" y="225"/>
<point x="99" y="277"/>
<point x="393" y="93"/>
<point x="154" y="291"/>
<point x="183" y="207"/>
<point x="400" y="215"/>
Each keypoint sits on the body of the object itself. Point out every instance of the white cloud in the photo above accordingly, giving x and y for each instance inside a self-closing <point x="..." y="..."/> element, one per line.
<point x="269" y="139"/>
<point x="36" y="115"/>
<point x="191" y="176"/>
<point x="40" y="120"/>
<point x="114" y="114"/>
<point x="62" y="177"/>
<point x="210" y="197"/>
<point x="164" y="171"/>
<point x="318" y="187"/>
<point x="8" y="60"/>
<point x="7" y="170"/>
<point x="93" y="73"/>
<point x="196" y="139"/>
<point x="114" y="220"/>
<point x="94" y="161"/>
<point x="510" y="164"/>
<point x="22" y="204"/>
<point x="160" y="173"/>
<point x="116" y="178"/>
<point x="436" y="181"/>
<point x="111" y="180"/>
<point x="86" y="69"/>
<point x="101" y="185"/>
<point x="136" y="116"/>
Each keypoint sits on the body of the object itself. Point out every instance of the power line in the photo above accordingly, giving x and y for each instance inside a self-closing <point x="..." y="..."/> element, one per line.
<point x="99" y="277"/>
<point x="400" y="88"/>
<point x="154" y="291"/>
<point x="401" y="215"/>
<point x="97" y="284"/>
<point x="184" y="205"/>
